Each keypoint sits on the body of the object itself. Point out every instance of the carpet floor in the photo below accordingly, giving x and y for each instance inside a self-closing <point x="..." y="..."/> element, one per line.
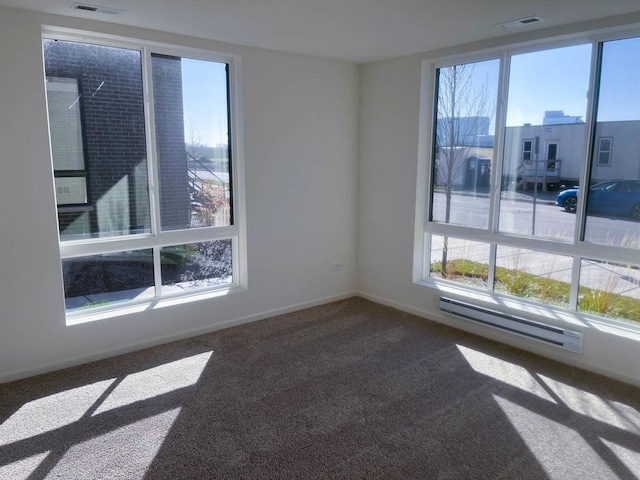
<point x="349" y="390"/>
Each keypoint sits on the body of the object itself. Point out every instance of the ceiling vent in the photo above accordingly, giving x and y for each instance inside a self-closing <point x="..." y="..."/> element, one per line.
<point x="83" y="7"/>
<point x="521" y="22"/>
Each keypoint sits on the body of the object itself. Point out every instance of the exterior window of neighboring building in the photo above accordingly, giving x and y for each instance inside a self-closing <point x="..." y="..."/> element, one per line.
<point x="512" y="242"/>
<point x="604" y="151"/>
<point x="147" y="191"/>
<point x="552" y="155"/>
<point x="527" y="146"/>
<point x="67" y="145"/>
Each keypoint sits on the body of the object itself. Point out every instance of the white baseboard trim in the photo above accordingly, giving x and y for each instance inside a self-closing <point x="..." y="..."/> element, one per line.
<point x="573" y="360"/>
<point x="576" y="361"/>
<point x="132" y="347"/>
<point x="399" y="306"/>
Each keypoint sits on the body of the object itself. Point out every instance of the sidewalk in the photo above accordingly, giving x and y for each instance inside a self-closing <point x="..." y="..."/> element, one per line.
<point x="547" y="198"/>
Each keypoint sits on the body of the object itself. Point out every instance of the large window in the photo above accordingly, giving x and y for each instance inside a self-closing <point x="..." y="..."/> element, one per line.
<point x="556" y="221"/>
<point x="146" y="189"/>
<point x="463" y="141"/>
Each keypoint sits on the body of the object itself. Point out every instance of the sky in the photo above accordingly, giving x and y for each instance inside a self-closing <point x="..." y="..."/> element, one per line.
<point x="558" y="79"/>
<point x="620" y="84"/>
<point x="555" y="79"/>
<point x="204" y="93"/>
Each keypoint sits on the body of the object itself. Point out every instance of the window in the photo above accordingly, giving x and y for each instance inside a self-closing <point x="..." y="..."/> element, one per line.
<point x="527" y="147"/>
<point x="604" y="151"/>
<point x="525" y="189"/>
<point x="534" y="234"/>
<point x="552" y="155"/>
<point x="146" y="191"/>
<point x="463" y="138"/>
<point x="67" y="145"/>
<point x="613" y="213"/>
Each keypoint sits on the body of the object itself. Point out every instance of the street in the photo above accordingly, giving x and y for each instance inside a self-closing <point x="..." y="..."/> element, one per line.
<point x="550" y="221"/>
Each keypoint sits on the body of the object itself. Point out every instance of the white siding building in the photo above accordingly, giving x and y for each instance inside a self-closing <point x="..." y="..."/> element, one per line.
<point x="554" y="153"/>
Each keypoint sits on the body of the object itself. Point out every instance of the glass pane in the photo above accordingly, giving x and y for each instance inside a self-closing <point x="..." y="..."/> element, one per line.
<point x="465" y="124"/>
<point x="192" y="120"/>
<point x="610" y="290"/>
<point x="613" y="199"/>
<point x="71" y="190"/>
<point x="196" y="265"/>
<point x="544" y="140"/>
<point x="108" y="278"/>
<point x="458" y="260"/>
<point x="540" y="276"/>
<point x="96" y="117"/>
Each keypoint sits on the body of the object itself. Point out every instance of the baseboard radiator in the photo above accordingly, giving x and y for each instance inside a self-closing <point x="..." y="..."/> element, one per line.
<point x="549" y="334"/>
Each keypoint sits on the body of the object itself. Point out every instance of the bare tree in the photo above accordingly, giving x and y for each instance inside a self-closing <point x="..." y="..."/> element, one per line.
<point x="463" y="112"/>
<point x="193" y="141"/>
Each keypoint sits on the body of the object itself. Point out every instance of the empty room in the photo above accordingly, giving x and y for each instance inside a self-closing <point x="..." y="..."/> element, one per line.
<point x="338" y="239"/>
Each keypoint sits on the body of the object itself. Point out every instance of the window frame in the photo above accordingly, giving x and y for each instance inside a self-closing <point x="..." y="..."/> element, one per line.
<point x="157" y="238"/>
<point x="525" y="151"/>
<point x="577" y="248"/>
<point x="609" y="151"/>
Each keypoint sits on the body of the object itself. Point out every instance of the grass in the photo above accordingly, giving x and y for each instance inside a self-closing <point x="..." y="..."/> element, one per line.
<point x="522" y="284"/>
<point x="95" y="304"/>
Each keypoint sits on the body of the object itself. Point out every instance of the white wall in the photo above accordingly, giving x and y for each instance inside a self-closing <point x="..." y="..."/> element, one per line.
<point x="625" y="154"/>
<point x="307" y="189"/>
<point x="300" y="128"/>
<point x="390" y="112"/>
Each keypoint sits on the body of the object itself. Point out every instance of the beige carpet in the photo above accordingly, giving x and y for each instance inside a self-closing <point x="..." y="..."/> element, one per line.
<point x="347" y="390"/>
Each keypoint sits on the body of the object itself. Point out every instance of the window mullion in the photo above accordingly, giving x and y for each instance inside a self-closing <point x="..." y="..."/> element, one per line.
<point x="501" y="118"/>
<point x="590" y="120"/>
<point x="491" y="277"/>
<point x="157" y="270"/>
<point x="152" y="165"/>
<point x="575" y="283"/>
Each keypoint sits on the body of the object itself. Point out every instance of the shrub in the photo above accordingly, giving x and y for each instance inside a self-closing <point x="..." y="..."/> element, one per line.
<point x="206" y="202"/>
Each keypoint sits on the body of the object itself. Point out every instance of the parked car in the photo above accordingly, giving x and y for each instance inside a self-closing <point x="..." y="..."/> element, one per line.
<point x="619" y="198"/>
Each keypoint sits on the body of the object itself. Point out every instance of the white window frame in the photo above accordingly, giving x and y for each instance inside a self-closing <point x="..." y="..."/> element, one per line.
<point x="158" y="238"/>
<point x="577" y="249"/>
<point x="601" y="151"/>
<point x="525" y="151"/>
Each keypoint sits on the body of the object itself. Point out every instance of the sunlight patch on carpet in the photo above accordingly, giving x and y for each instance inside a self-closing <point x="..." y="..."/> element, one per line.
<point x="629" y="458"/>
<point x="612" y="413"/>
<point x="156" y="381"/>
<point x="124" y="453"/>
<point x="561" y="451"/>
<point x="504" y="371"/>
<point x="51" y="412"/>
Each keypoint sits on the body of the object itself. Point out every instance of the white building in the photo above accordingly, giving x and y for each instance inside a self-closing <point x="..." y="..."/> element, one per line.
<point x="553" y="154"/>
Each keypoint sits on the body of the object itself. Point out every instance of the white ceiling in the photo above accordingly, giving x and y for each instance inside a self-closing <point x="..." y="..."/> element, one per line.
<point x="354" y="30"/>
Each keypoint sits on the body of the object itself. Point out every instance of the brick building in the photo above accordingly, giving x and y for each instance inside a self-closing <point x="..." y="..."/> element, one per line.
<point x="99" y="139"/>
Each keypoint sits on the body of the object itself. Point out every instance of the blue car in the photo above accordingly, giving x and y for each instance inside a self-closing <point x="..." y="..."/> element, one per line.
<point x="619" y="198"/>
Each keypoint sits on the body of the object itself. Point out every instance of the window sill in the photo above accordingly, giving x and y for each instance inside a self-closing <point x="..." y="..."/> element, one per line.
<point x="132" y="307"/>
